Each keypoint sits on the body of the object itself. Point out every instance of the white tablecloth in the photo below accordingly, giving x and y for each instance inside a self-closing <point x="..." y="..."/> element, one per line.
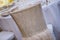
<point x="52" y="16"/>
<point x="6" y="35"/>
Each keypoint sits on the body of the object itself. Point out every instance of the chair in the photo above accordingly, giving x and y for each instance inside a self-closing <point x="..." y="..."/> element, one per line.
<point x="31" y="23"/>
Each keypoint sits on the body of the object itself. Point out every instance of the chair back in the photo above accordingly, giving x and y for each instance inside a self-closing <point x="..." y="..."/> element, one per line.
<point x="30" y="20"/>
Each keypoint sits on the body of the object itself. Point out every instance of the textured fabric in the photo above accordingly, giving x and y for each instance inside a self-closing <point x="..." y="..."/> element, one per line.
<point x="30" y="21"/>
<point x="45" y="35"/>
<point x="32" y="24"/>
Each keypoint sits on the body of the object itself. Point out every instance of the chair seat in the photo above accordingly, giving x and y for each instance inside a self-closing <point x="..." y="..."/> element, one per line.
<point x="6" y="35"/>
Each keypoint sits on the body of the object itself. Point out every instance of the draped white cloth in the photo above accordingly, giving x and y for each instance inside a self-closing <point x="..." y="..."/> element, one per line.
<point x="52" y="16"/>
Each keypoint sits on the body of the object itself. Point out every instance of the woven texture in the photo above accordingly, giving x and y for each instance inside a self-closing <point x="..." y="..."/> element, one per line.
<point x="45" y="35"/>
<point x="31" y="23"/>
